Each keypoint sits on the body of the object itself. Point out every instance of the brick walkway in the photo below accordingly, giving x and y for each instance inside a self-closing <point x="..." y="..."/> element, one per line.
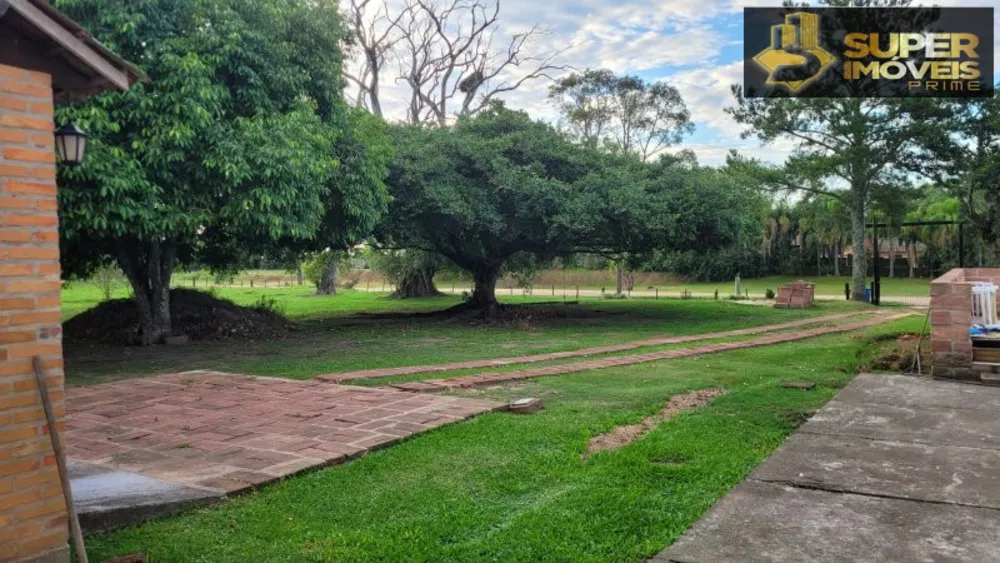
<point x="477" y="364"/>
<point x="231" y="432"/>
<point x="433" y="385"/>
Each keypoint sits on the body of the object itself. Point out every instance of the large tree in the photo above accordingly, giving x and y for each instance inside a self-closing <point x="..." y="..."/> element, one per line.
<point x="449" y="59"/>
<point x="852" y="149"/>
<point x="230" y="146"/>
<point x="967" y="151"/>
<point x="501" y="185"/>
<point x="621" y="112"/>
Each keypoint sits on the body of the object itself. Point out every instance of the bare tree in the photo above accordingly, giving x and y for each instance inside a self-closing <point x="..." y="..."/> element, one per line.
<point x="449" y="55"/>
<point x="375" y="36"/>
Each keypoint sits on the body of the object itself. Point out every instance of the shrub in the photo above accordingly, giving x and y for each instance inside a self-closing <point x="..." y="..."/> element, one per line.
<point x="769" y="294"/>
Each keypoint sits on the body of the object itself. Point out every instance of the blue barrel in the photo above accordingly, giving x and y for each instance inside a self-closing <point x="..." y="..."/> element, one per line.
<point x="868" y="295"/>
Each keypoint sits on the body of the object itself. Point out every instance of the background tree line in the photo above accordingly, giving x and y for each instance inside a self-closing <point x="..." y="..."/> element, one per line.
<point x="246" y="142"/>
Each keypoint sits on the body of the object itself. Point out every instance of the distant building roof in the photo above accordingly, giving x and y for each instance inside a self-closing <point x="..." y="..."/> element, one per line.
<point x="886" y="247"/>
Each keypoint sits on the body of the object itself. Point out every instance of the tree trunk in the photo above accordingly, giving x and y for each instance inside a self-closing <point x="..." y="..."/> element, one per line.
<point x="991" y="253"/>
<point x="484" y="289"/>
<point x="911" y="257"/>
<point x="299" y="276"/>
<point x="148" y="268"/>
<point x="819" y="258"/>
<point x="859" y="268"/>
<point x="892" y="257"/>
<point x="328" y="284"/>
<point x="619" y="277"/>
<point x="836" y="258"/>
<point x="417" y="283"/>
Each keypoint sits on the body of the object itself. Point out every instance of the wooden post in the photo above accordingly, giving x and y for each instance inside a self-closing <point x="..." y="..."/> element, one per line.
<point x="60" y="454"/>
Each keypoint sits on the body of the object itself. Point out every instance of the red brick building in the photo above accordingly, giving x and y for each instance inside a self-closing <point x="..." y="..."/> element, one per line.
<point x="44" y="58"/>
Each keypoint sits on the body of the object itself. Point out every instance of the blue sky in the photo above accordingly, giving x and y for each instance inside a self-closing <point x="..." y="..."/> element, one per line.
<point x="695" y="45"/>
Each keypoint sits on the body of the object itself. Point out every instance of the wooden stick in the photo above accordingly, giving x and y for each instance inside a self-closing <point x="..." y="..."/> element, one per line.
<point x="57" y="446"/>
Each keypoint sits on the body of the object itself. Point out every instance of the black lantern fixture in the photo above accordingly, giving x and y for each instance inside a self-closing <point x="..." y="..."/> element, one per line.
<point x="71" y="144"/>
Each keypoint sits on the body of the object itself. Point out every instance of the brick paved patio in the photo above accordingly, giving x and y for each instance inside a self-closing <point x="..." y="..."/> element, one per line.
<point x="229" y="432"/>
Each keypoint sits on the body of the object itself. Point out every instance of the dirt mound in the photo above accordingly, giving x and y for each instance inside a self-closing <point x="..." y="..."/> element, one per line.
<point x="677" y="404"/>
<point x="198" y="315"/>
<point x="898" y="355"/>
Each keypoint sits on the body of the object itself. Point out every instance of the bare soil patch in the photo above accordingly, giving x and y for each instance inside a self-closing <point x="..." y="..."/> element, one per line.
<point x="624" y="435"/>
<point x="897" y="355"/>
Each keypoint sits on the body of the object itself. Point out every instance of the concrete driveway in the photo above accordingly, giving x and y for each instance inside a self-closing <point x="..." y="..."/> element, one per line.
<point x="894" y="469"/>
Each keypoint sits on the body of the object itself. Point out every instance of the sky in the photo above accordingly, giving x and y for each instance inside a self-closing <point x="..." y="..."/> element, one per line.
<point x="694" y="45"/>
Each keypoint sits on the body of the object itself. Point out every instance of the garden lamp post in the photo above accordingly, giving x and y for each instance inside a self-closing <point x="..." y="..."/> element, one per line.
<point x="71" y="144"/>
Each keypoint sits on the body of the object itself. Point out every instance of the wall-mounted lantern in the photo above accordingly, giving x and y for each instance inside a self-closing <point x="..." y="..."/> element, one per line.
<point x="71" y="144"/>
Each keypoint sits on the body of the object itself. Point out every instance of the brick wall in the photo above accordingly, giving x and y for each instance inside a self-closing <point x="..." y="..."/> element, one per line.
<point x="33" y="522"/>
<point x="951" y="317"/>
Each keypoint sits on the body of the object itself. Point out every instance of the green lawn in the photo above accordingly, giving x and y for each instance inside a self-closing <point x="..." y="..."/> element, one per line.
<point x="515" y="488"/>
<point x="332" y="338"/>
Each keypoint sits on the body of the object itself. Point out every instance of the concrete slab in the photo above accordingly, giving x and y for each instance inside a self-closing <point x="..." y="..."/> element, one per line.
<point x="107" y="498"/>
<point x="966" y="476"/>
<point x="894" y="469"/>
<point x="975" y="428"/>
<point x="920" y="392"/>
<point x="769" y="522"/>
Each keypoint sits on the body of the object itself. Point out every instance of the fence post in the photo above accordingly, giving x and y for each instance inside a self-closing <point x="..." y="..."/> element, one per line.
<point x="577" y="293"/>
<point x="657" y="298"/>
<point x="553" y="290"/>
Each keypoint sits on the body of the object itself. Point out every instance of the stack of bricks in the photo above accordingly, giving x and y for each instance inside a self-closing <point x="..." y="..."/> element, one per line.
<point x="33" y="522"/>
<point x="951" y="318"/>
<point x="795" y="295"/>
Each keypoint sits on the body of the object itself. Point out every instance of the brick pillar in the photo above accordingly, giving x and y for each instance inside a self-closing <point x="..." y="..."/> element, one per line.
<point x="33" y="521"/>
<point x="951" y="317"/>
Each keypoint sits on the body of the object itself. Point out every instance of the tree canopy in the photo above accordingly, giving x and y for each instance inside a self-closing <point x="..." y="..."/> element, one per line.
<point x="621" y="112"/>
<point x="240" y="139"/>
<point x="500" y="184"/>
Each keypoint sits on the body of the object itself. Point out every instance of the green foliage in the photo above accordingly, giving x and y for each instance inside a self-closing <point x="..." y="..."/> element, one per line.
<point x="499" y="185"/>
<point x="857" y="150"/>
<point x="107" y="278"/>
<point x="239" y="142"/>
<point x="623" y="113"/>
<point x="394" y="265"/>
<point x="317" y="265"/>
<point x="711" y="265"/>
<point x="225" y="139"/>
